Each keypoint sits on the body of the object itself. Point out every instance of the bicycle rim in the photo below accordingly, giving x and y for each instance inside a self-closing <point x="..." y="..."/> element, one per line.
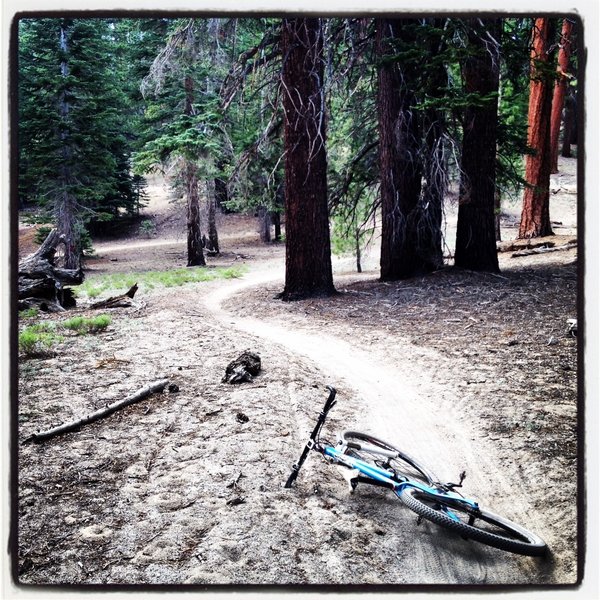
<point x="403" y="465"/>
<point x="477" y="524"/>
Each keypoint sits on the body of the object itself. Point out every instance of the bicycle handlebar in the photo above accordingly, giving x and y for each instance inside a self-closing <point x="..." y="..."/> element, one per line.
<point x="329" y="404"/>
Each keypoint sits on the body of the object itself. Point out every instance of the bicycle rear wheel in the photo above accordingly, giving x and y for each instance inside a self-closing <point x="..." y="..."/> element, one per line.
<point x="401" y="465"/>
<point x="476" y="524"/>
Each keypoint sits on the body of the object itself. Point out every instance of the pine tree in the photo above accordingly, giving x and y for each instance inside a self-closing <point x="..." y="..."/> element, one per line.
<point x="251" y="95"/>
<point x="560" y="89"/>
<point x="308" y="270"/>
<point x="72" y="137"/>
<point x="353" y="172"/>
<point x="535" y="216"/>
<point x="476" y="232"/>
<point x="183" y="82"/>
<point x="399" y="142"/>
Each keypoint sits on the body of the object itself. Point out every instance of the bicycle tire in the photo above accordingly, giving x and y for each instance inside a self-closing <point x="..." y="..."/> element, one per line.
<point x="493" y="530"/>
<point x="403" y="464"/>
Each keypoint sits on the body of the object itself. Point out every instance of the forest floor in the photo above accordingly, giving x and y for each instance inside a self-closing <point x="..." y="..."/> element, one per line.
<point x="465" y="371"/>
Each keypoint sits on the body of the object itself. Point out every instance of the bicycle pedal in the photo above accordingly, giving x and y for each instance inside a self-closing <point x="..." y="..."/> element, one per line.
<point x="351" y="476"/>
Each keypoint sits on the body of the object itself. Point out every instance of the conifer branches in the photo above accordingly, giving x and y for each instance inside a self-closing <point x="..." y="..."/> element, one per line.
<point x="181" y="43"/>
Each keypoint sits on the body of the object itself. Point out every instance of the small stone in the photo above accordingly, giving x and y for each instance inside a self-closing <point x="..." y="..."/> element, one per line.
<point x="242" y="418"/>
<point x="235" y="501"/>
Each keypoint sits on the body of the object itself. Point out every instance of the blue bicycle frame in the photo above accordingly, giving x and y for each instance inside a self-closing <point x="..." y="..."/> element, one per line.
<point x="424" y="494"/>
<point x="383" y="477"/>
<point x="373" y="475"/>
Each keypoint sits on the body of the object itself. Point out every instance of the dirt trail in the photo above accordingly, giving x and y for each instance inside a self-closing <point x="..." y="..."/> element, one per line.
<point x="464" y="371"/>
<point x="399" y="402"/>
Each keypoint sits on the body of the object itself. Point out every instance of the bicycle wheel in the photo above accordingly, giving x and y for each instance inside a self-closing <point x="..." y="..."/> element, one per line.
<point x="401" y="465"/>
<point x="476" y="524"/>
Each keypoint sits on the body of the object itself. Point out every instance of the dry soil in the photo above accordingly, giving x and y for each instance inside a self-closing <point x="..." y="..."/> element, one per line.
<point x="466" y="371"/>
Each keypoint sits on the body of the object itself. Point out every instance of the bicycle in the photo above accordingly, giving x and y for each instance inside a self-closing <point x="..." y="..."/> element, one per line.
<point x="369" y="460"/>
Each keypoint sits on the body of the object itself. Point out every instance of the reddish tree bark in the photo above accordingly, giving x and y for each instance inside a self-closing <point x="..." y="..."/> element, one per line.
<point x="308" y="269"/>
<point x="560" y="89"/>
<point x="535" y="215"/>
<point x="476" y="227"/>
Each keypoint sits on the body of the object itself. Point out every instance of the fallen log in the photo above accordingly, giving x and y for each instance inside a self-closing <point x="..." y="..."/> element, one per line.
<point x="123" y="300"/>
<point x="516" y="245"/>
<point x="41" y="436"/>
<point x="542" y="250"/>
<point x="40" y="277"/>
<point x="40" y="304"/>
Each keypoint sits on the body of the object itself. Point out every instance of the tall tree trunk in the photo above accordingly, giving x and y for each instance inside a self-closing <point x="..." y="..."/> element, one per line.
<point x="435" y="161"/>
<point x="476" y="227"/>
<point x="264" y="224"/>
<point x="400" y="181"/>
<point x="560" y="89"/>
<point x="194" y="232"/>
<point x="357" y="250"/>
<point x="194" y="229"/>
<point x="497" y="214"/>
<point x="221" y="194"/>
<point x="65" y="206"/>
<point x="276" y="214"/>
<point x="535" y="215"/>
<point x="211" y="202"/>
<point x="569" y="125"/>
<point x="308" y="270"/>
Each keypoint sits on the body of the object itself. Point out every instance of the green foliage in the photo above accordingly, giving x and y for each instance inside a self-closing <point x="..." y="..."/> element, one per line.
<point x="31" y="342"/>
<point x="38" y="338"/>
<point x="93" y="286"/>
<point x="75" y="126"/>
<point x="113" y="134"/>
<point x="83" y="325"/>
<point x="29" y="313"/>
<point x="513" y="105"/>
<point x="41" y="234"/>
<point x="147" y="227"/>
<point x="182" y="118"/>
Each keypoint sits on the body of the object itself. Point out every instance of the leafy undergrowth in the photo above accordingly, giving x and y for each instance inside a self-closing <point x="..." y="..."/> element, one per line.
<point x="39" y="338"/>
<point x="149" y="280"/>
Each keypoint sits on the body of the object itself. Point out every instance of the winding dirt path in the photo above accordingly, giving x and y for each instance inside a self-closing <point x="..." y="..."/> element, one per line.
<point x="397" y="399"/>
<point x="179" y="490"/>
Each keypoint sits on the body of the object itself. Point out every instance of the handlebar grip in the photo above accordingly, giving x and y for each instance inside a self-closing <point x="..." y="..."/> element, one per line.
<point x="330" y="400"/>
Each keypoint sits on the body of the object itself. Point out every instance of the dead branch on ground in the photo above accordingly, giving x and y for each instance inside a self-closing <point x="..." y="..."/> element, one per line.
<point x="123" y="300"/>
<point x="543" y="250"/>
<point x="41" y="436"/>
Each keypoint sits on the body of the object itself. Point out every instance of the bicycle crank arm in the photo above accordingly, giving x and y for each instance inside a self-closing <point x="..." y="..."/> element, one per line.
<point x="350" y="475"/>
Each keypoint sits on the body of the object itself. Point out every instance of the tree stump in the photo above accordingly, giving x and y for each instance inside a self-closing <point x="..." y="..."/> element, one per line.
<point x="40" y="278"/>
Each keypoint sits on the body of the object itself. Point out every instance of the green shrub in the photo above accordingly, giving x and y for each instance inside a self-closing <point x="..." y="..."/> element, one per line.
<point x="33" y="340"/>
<point x="41" y="234"/>
<point x="84" y="325"/>
<point x="29" y="313"/>
<point x="148" y="227"/>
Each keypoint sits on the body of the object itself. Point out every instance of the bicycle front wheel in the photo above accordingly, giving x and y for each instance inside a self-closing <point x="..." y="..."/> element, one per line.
<point x="476" y="524"/>
<point x="375" y="451"/>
